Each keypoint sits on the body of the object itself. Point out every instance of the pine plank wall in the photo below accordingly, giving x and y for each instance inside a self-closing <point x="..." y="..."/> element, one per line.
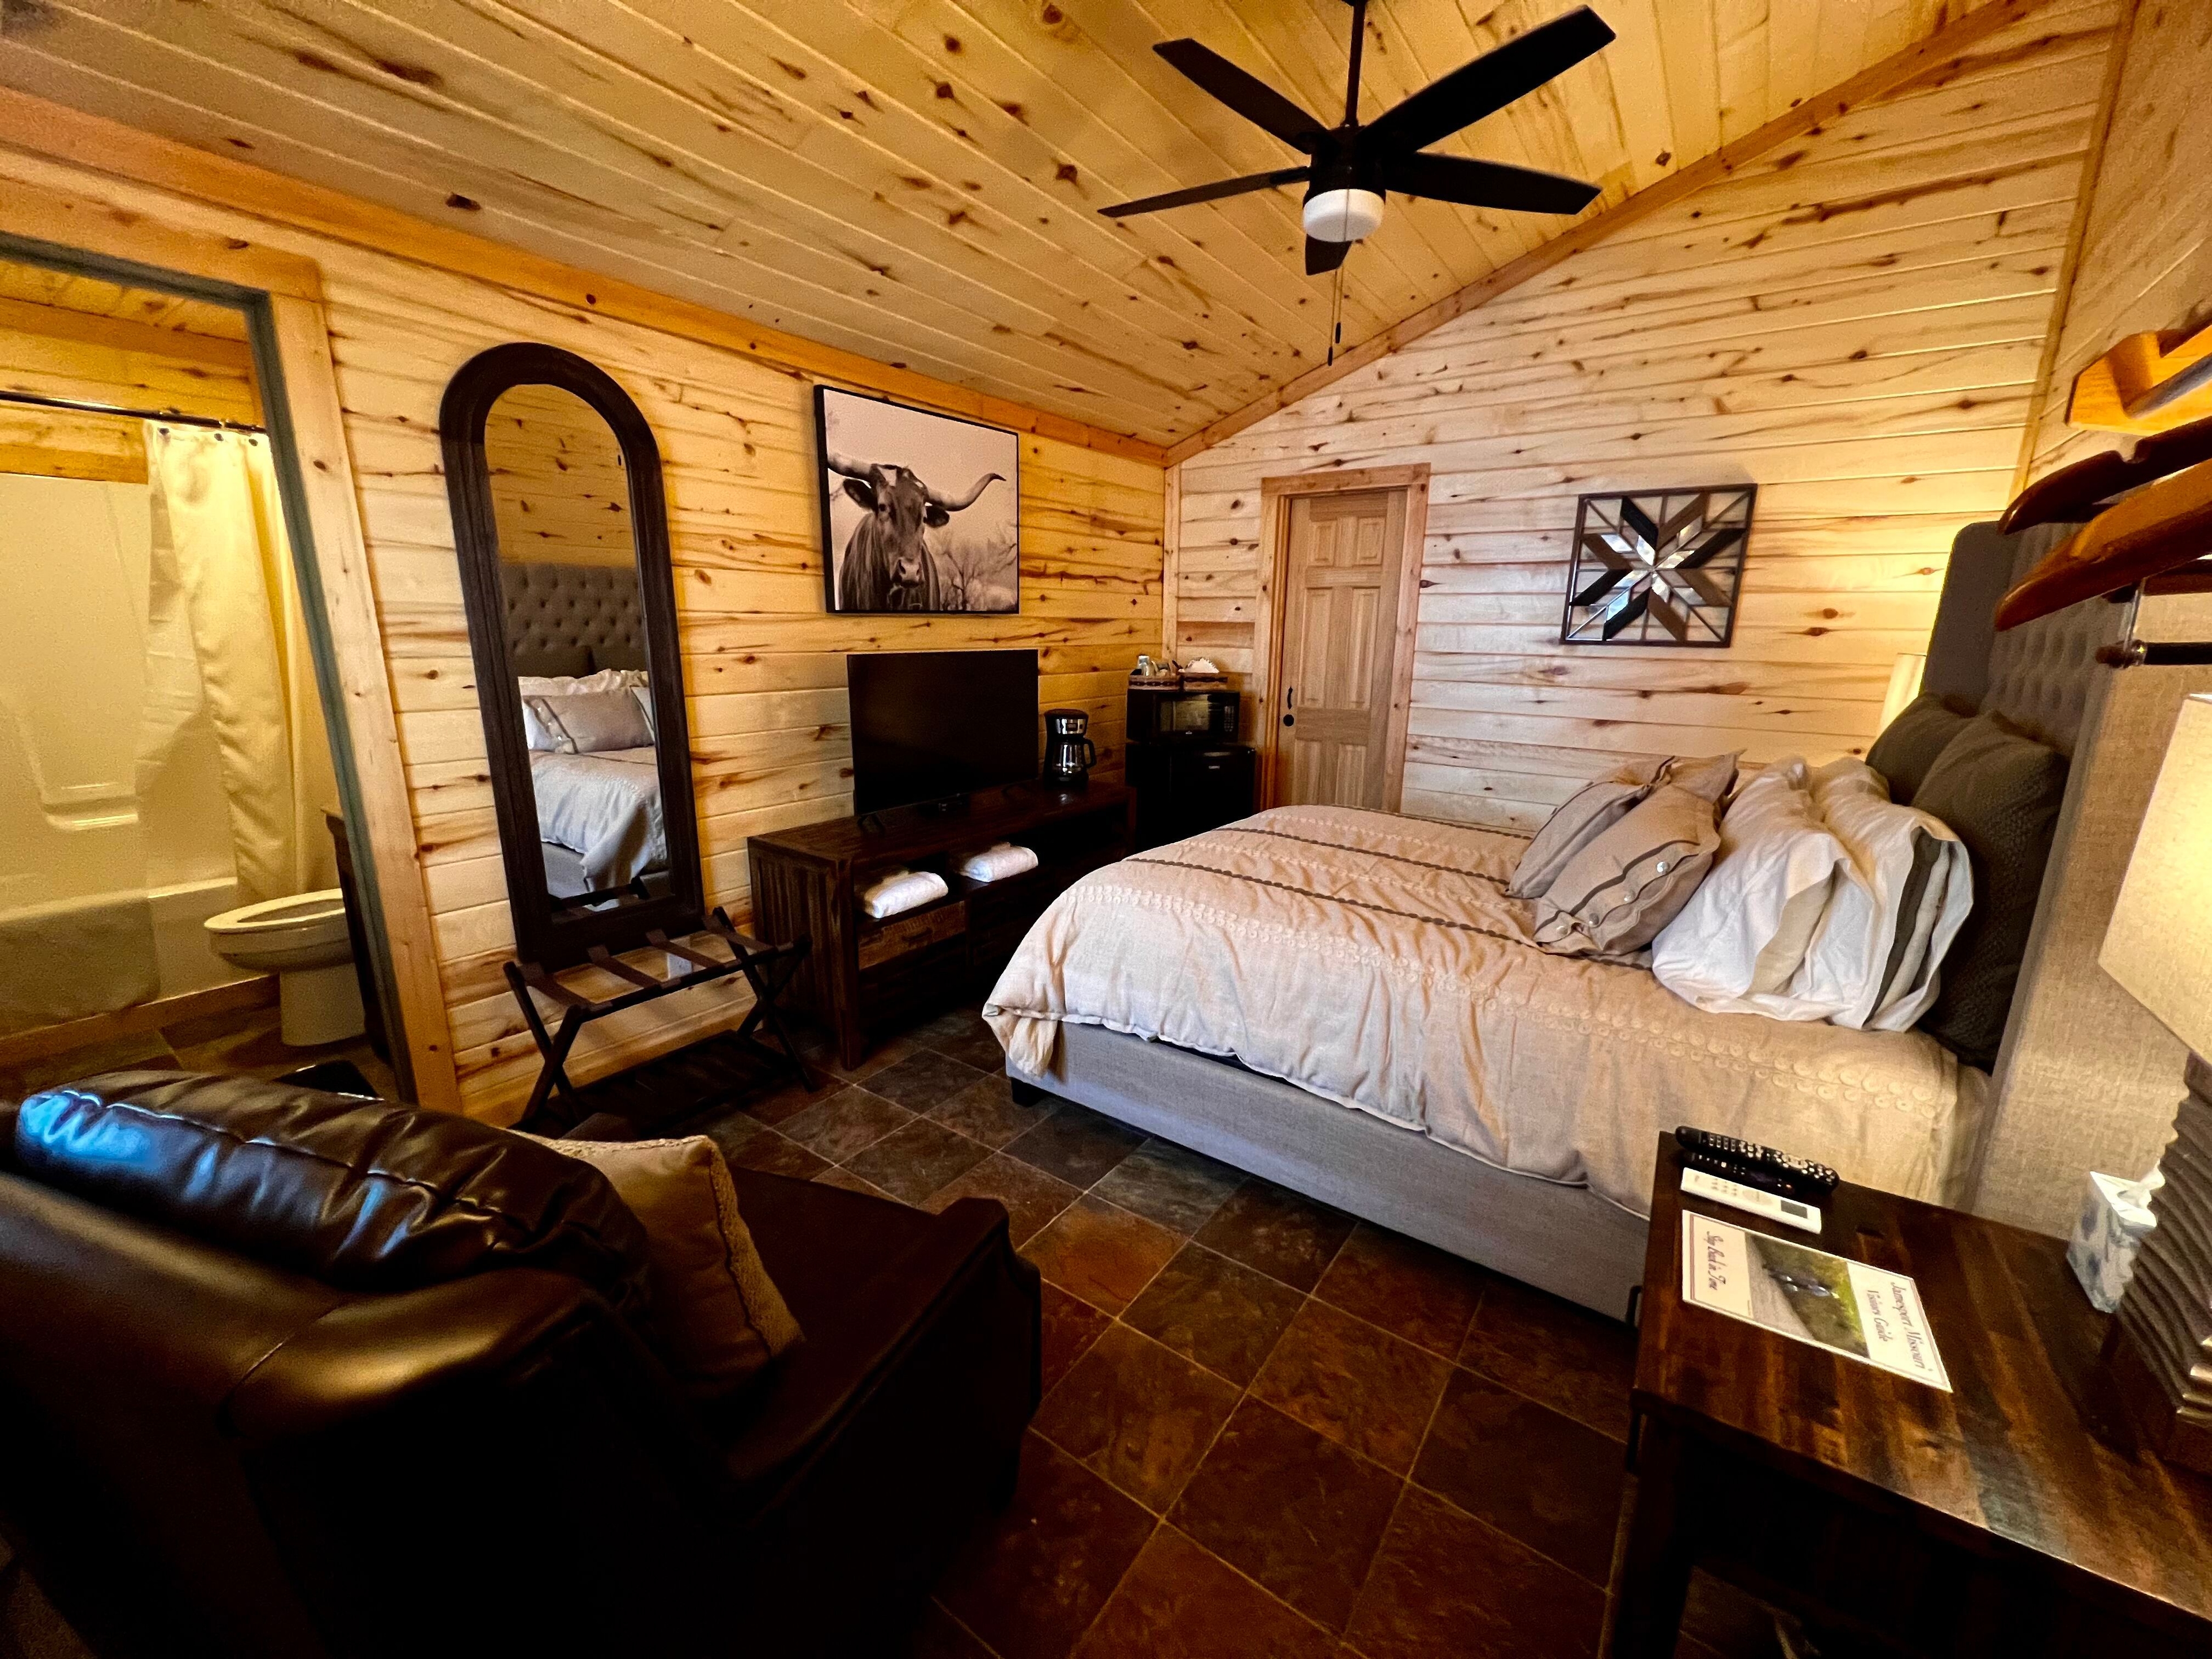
<point x="763" y="664"/>
<point x="1854" y="321"/>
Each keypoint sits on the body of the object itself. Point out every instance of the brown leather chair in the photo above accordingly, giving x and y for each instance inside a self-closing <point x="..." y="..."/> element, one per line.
<point x="253" y="1403"/>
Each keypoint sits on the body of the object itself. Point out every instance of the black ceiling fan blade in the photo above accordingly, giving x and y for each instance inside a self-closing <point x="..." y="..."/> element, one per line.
<point x="1486" y="184"/>
<point x="1250" y="97"/>
<point x="1490" y="82"/>
<point x="1214" y="191"/>
<point x="1321" y="256"/>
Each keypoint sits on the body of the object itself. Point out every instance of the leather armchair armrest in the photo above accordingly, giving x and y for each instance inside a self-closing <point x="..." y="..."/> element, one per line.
<point x="367" y="1355"/>
<point x="967" y="1237"/>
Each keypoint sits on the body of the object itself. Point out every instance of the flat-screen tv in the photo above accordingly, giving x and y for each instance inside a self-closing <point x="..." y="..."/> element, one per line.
<point x="928" y="725"/>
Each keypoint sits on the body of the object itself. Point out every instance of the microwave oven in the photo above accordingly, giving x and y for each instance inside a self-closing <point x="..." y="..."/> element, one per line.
<point x="1166" y="716"/>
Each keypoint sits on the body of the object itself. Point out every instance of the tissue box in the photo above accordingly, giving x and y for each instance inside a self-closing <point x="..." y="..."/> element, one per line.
<point x="2111" y="1228"/>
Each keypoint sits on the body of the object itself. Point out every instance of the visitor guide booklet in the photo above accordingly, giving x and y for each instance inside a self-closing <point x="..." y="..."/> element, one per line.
<point x="1809" y="1295"/>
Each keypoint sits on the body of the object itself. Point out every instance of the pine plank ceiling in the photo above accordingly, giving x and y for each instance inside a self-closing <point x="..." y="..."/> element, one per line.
<point x="918" y="180"/>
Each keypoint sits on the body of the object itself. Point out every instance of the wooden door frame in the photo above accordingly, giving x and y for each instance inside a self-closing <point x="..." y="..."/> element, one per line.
<point x="281" y="295"/>
<point x="1275" y="497"/>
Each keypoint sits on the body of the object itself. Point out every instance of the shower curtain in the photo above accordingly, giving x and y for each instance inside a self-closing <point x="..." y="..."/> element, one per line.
<point x="225" y="632"/>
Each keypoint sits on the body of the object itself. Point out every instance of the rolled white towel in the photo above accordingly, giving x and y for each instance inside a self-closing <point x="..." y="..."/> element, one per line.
<point x="997" y="863"/>
<point x="902" y="889"/>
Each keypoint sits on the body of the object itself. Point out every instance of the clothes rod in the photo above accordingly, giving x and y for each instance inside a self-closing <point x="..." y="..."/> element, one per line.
<point x="174" y="418"/>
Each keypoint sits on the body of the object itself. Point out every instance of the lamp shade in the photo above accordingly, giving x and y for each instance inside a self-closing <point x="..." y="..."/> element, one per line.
<point x="2158" y="946"/>
<point x="1904" y="676"/>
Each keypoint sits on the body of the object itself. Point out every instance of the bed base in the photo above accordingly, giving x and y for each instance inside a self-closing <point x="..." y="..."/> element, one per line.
<point x="1563" y="1239"/>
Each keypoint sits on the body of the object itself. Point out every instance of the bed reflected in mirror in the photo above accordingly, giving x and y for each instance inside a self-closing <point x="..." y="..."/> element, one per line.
<point x="575" y="644"/>
<point x="555" y="483"/>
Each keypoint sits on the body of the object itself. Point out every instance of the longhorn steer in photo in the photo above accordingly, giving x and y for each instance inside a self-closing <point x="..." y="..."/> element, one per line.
<point x="888" y="563"/>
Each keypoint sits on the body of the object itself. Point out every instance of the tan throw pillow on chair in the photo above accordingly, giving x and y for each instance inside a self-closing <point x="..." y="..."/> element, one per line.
<point x="1622" y="888"/>
<point x="719" y="1316"/>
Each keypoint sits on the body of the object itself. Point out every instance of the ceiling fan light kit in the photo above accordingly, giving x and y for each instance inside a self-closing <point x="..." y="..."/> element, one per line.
<point x="1353" y="165"/>
<point x="1342" y="216"/>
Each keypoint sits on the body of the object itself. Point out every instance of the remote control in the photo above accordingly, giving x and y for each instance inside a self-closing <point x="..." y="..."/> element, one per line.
<point x="1747" y="1161"/>
<point x="1704" y="1183"/>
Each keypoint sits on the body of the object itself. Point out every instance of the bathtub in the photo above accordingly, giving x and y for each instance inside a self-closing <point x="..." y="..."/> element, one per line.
<point x="96" y="952"/>
<point x="184" y="959"/>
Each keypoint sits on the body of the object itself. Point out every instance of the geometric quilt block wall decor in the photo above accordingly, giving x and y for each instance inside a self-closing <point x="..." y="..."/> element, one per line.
<point x="1658" y="567"/>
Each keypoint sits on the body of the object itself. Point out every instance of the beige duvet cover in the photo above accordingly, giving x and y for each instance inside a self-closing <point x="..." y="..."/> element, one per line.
<point x="1376" y="961"/>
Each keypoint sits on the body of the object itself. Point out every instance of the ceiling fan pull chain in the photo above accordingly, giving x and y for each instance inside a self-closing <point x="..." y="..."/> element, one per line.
<point x="1336" y="316"/>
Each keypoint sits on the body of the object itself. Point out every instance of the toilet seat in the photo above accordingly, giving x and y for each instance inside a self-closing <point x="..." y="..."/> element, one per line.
<point x="301" y="913"/>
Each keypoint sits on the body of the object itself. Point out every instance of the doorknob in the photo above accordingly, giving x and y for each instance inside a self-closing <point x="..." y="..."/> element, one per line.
<point x="1290" y="720"/>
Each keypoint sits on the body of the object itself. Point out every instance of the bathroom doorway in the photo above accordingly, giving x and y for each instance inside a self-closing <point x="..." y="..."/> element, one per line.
<point x="171" y="805"/>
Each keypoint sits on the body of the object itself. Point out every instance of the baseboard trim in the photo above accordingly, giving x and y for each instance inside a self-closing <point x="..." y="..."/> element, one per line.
<point x="43" y="1041"/>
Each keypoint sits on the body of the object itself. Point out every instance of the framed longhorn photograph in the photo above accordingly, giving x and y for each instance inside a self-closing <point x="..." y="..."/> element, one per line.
<point x="920" y="513"/>
<point x="1658" y="567"/>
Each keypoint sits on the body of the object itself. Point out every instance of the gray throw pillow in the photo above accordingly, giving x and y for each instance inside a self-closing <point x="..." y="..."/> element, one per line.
<point x="1909" y="744"/>
<point x="591" y="722"/>
<point x="2000" y="791"/>
<point x="1618" y="891"/>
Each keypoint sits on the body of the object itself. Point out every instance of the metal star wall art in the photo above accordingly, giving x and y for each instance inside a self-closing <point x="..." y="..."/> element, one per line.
<point x="1658" y="568"/>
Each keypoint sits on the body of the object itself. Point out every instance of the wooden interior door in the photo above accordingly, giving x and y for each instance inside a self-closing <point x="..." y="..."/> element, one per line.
<point x="1340" y="583"/>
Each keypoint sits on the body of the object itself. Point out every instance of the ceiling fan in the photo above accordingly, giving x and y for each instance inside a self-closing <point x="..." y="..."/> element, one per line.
<point x="1352" y="166"/>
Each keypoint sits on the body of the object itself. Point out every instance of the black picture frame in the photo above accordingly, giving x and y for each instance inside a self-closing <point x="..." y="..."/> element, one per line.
<point x="545" y="937"/>
<point x="833" y="555"/>
<point x="1661" y="568"/>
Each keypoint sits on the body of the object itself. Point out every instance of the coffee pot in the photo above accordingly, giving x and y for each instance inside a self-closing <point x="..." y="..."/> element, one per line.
<point x="1068" y="754"/>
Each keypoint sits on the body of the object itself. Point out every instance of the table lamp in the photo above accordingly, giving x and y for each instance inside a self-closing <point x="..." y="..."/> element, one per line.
<point x="2159" y="947"/>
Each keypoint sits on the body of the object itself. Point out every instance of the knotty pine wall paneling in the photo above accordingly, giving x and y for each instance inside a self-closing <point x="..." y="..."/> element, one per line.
<point x="763" y="664"/>
<point x="1853" y="322"/>
<point x="559" y="495"/>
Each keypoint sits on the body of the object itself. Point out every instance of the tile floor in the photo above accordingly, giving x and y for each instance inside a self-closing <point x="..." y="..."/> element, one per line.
<point x="1268" y="1428"/>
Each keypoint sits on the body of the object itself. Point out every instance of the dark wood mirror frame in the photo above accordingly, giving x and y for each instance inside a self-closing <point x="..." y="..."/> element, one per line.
<point x="543" y="938"/>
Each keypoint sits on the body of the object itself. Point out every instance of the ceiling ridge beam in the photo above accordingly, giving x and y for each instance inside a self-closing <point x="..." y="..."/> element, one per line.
<point x="1900" y="69"/>
<point x="40" y="127"/>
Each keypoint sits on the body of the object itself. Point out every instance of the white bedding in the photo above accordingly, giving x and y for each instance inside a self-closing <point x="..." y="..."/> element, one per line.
<point x="1376" y="961"/>
<point x="604" y="807"/>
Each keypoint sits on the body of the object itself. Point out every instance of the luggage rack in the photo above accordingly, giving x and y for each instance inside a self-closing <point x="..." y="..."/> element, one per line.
<point x="767" y="968"/>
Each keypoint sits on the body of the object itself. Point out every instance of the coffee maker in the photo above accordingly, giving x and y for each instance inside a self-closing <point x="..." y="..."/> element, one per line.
<point x="1068" y="754"/>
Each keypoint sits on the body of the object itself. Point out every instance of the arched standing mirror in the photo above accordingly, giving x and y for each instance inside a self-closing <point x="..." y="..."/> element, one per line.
<point x="563" y="531"/>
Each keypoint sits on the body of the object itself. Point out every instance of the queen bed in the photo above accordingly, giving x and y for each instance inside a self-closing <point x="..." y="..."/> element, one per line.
<point x="576" y="630"/>
<point x="1349" y="1004"/>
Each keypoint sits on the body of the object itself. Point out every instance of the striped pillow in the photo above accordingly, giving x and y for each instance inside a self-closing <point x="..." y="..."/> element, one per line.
<point x="1588" y="814"/>
<point x="1622" y="887"/>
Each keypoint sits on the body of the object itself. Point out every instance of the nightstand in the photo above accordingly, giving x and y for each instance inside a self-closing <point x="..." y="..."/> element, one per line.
<point x="2019" y="1514"/>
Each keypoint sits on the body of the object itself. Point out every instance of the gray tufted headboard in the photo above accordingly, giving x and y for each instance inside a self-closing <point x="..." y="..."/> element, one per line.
<point x="2039" y="675"/>
<point x="556" y="610"/>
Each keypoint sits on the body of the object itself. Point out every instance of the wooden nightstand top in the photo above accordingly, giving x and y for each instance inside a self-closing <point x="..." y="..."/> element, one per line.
<point x="2031" y="1452"/>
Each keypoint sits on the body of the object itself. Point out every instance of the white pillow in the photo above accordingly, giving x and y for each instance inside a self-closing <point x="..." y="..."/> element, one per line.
<point x="1900" y="900"/>
<point x="1744" y="933"/>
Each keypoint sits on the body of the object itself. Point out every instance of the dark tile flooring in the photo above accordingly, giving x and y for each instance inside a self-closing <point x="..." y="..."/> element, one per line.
<point x="1268" y="1428"/>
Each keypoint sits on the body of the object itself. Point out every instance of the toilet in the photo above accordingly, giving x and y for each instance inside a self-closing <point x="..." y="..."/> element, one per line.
<point x="303" y="941"/>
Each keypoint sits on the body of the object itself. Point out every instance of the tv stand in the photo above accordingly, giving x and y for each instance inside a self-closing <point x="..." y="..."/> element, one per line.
<point x="866" y="979"/>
